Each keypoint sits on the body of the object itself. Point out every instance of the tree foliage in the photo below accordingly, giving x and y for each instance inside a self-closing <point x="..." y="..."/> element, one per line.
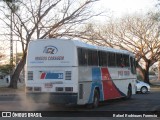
<point x="138" y="34"/>
<point x="2" y="49"/>
<point x="38" y="19"/>
<point x="5" y="69"/>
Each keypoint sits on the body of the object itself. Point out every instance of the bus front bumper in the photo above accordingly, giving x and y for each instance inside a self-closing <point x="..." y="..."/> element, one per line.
<point x="57" y="98"/>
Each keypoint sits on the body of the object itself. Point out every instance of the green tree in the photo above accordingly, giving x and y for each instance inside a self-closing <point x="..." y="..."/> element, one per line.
<point x="12" y="7"/>
<point x="138" y="34"/>
<point x="5" y="69"/>
<point x="39" y="19"/>
<point x="17" y="58"/>
<point x="2" y="55"/>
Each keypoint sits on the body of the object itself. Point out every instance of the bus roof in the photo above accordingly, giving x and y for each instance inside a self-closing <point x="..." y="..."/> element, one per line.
<point x="79" y="43"/>
<point x="86" y="45"/>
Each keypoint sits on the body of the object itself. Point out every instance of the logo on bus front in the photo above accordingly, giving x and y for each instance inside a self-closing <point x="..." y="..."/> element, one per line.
<point x="50" y="50"/>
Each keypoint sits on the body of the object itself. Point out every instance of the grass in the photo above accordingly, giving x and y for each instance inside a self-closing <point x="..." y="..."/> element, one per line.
<point x="10" y="90"/>
<point x="155" y="86"/>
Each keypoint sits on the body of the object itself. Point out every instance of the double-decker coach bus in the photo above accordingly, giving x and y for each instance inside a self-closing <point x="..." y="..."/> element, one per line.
<point x="72" y="72"/>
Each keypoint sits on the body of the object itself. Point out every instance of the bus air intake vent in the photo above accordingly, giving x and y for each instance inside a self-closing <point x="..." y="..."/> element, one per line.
<point x="80" y="91"/>
<point x="68" y="75"/>
<point x="30" y="75"/>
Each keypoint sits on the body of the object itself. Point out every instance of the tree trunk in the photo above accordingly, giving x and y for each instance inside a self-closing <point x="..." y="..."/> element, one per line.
<point x="16" y="74"/>
<point x="159" y="70"/>
<point x="146" y="72"/>
<point x="140" y="71"/>
<point x="146" y="76"/>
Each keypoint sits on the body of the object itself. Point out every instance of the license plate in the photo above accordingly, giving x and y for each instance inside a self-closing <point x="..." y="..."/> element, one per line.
<point x="48" y="85"/>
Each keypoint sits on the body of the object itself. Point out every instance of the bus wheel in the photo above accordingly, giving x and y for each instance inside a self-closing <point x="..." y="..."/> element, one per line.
<point x="129" y="93"/>
<point x="96" y="99"/>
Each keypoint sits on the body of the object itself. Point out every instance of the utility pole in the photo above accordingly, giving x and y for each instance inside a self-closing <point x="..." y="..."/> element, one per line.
<point x="11" y="44"/>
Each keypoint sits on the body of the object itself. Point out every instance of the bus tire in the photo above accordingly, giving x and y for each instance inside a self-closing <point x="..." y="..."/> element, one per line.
<point x="129" y="92"/>
<point x="95" y="100"/>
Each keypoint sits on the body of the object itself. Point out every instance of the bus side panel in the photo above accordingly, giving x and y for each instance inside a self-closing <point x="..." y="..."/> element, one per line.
<point x="89" y="78"/>
<point x="85" y="81"/>
<point x="122" y="80"/>
<point x="109" y="81"/>
<point x="95" y="77"/>
<point x="96" y="83"/>
<point x="122" y="85"/>
<point x="110" y="90"/>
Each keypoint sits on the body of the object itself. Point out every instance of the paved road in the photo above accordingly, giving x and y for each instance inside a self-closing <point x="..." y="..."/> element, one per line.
<point x="139" y="102"/>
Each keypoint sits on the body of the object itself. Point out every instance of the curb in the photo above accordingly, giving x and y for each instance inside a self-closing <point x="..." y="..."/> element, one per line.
<point x="11" y="94"/>
<point x="8" y="95"/>
<point x="158" y="89"/>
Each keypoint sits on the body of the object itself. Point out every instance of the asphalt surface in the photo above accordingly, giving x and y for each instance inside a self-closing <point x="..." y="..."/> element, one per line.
<point x="14" y="100"/>
<point x="138" y="102"/>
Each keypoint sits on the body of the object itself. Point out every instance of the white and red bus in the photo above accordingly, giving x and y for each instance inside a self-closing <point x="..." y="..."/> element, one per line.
<point x="73" y="72"/>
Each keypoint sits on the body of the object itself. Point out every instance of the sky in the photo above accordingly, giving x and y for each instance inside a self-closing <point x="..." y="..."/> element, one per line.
<point x="118" y="8"/>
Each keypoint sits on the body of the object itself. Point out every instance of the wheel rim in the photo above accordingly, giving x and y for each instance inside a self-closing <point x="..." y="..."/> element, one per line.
<point x="129" y="93"/>
<point x="144" y="90"/>
<point x="95" y="101"/>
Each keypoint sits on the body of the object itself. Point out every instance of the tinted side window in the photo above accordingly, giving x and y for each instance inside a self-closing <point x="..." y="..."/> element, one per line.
<point x="82" y="56"/>
<point x="132" y="64"/>
<point x="92" y="58"/>
<point x="119" y="60"/>
<point x="126" y="60"/>
<point x="122" y="60"/>
<point x="102" y="58"/>
<point x="111" y="59"/>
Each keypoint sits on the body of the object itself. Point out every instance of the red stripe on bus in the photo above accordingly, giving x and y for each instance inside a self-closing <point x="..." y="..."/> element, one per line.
<point x="43" y="75"/>
<point x="109" y="89"/>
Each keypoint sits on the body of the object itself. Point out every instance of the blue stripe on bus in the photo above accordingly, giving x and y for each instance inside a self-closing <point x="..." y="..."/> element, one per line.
<point x="54" y="76"/>
<point x="96" y="82"/>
